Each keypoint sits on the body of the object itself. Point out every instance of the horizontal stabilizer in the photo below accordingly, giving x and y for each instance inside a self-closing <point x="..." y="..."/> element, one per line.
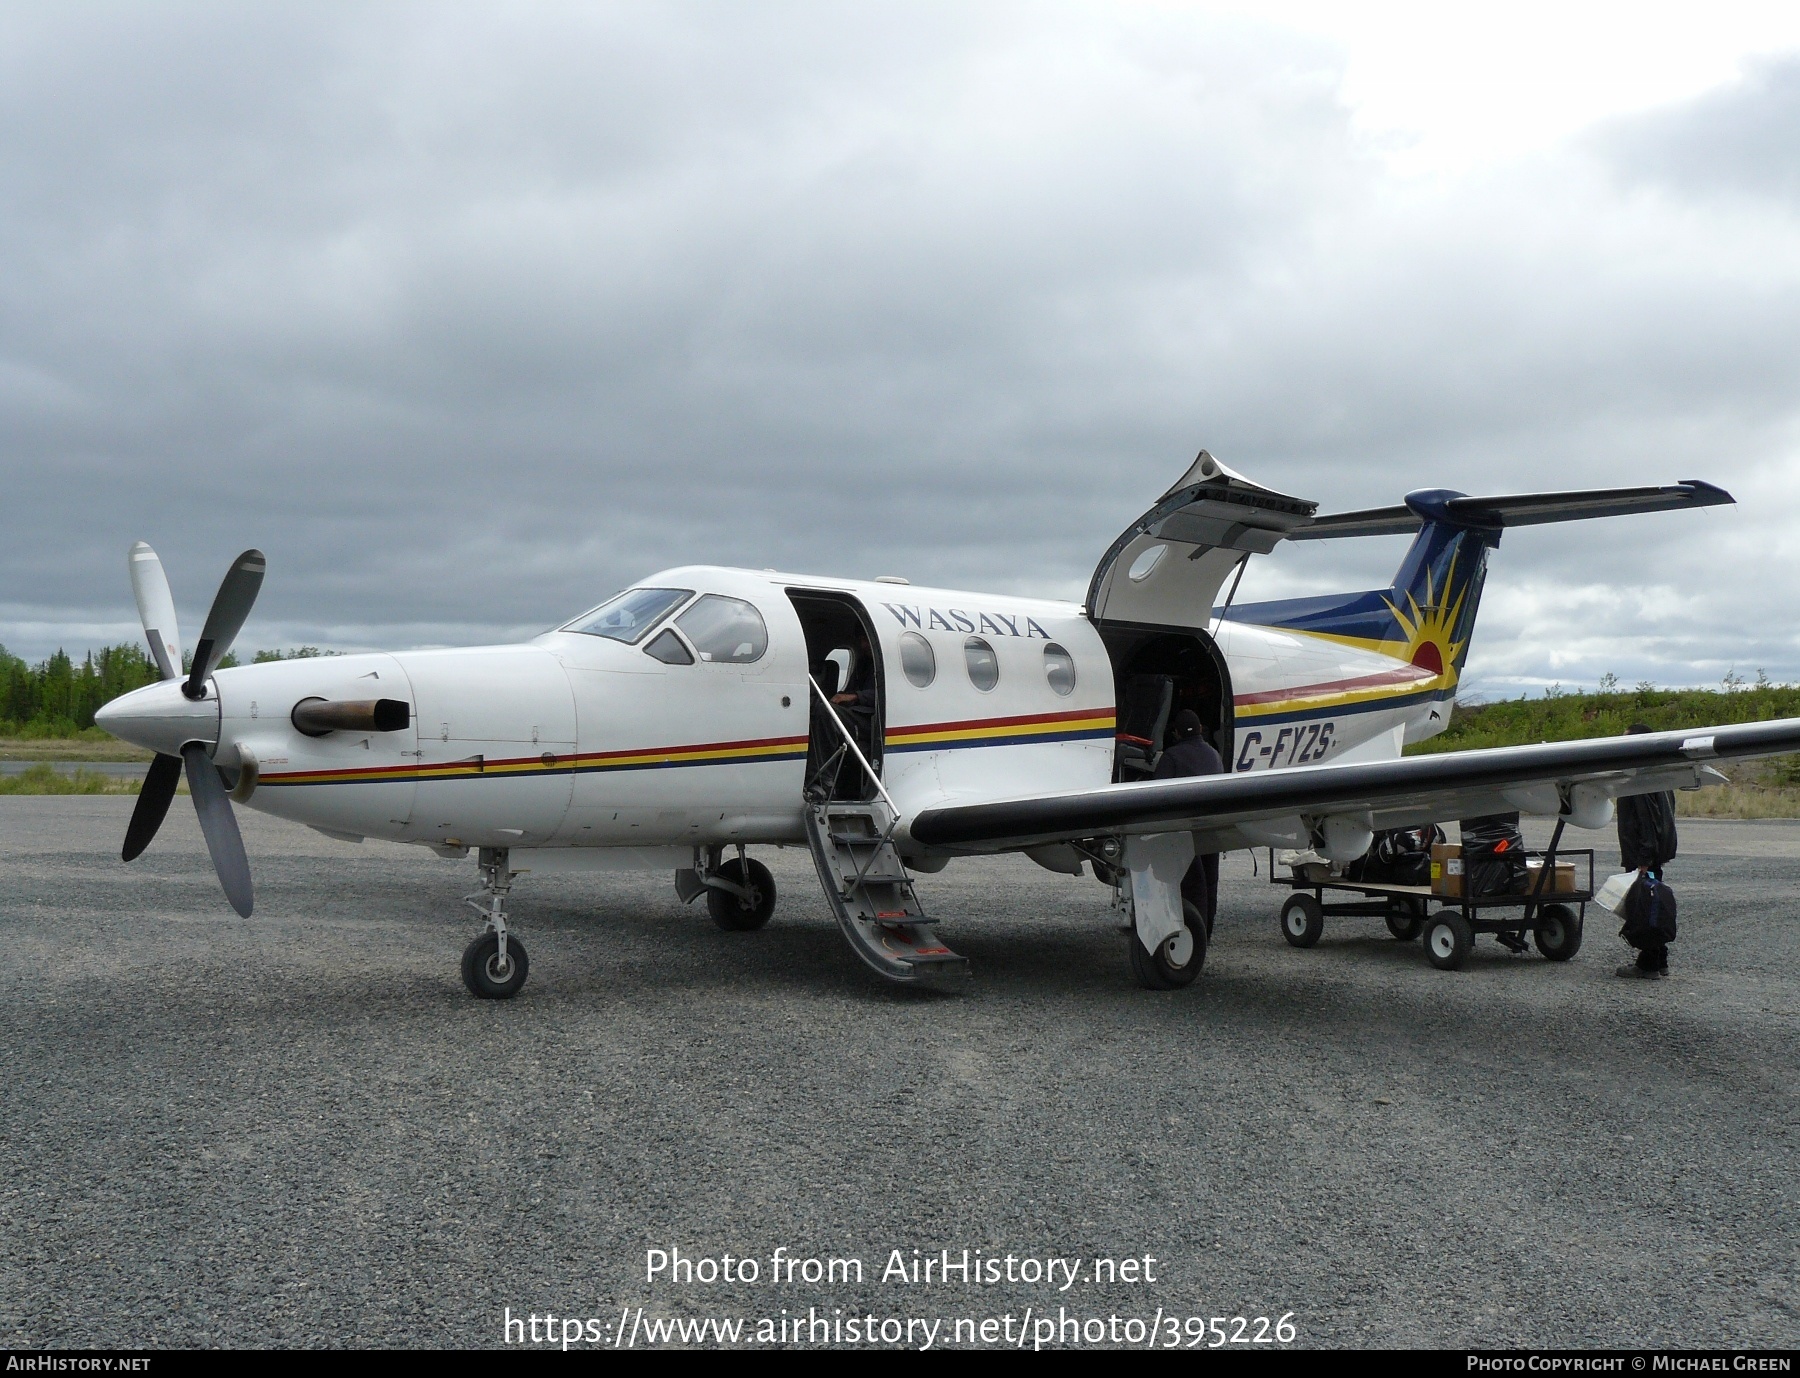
<point x="1523" y="509"/>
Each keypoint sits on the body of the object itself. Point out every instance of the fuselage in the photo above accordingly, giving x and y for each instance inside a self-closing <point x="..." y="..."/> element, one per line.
<point x="597" y="741"/>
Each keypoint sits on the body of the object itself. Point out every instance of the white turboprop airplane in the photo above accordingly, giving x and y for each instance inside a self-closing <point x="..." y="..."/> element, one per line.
<point x="890" y="727"/>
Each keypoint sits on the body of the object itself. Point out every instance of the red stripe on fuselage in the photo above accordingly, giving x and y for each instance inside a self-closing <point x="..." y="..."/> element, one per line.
<point x="563" y="759"/>
<point x="966" y="724"/>
<point x="1408" y="674"/>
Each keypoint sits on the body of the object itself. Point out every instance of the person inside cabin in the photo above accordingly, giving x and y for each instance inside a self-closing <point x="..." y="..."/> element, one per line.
<point x="1189" y="754"/>
<point x="858" y="689"/>
<point x="855" y="699"/>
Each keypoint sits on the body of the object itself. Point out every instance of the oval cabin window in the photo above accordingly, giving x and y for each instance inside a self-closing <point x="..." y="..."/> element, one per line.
<point x="917" y="659"/>
<point x="984" y="665"/>
<point x="1145" y="564"/>
<point x="1059" y="669"/>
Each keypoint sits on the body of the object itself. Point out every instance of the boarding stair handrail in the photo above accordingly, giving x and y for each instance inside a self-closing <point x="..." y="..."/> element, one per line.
<point x="887" y="835"/>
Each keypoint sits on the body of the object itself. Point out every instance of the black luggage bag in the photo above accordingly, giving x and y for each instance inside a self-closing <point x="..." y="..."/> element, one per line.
<point x="1399" y="856"/>
<point x="1649" y="913"/>
<point x="1493" y="855"/>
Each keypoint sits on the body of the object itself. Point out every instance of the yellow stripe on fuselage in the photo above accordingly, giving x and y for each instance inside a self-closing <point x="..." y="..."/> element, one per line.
<point x="953" y="733"/>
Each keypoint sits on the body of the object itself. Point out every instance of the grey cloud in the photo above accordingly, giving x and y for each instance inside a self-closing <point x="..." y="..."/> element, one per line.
<point x="1743" y="139"/>
<point x="469" y="317"/>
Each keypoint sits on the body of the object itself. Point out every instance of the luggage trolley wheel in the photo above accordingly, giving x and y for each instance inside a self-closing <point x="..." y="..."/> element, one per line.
<point x="1302" y="920"/>
<point x="1558" y="934"/>
<point x="1448" y="938"/>
<point x="1405" y="918"/>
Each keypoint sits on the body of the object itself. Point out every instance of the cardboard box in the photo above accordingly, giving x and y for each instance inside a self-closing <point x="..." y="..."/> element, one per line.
<point x="1561" y="882"/>
<point x="1446" y="868"/>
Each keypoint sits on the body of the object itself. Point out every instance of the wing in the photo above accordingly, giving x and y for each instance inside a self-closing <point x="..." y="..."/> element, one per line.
<point x="1282" y="806"/>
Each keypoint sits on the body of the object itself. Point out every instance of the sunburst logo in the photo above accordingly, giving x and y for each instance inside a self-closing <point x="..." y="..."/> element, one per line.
<point x="1428" y="628"/>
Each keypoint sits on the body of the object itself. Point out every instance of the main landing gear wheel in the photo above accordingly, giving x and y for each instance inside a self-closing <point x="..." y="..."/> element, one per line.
<point x="739" y="913"/>
<point x="1448" y="938"/>
<point x="1159" y="970"/>
<point x="1404" y="919"/>
<point x="1302" y="920"/>
<point x="486" y="975"/>
<point x="1558" y="934"/>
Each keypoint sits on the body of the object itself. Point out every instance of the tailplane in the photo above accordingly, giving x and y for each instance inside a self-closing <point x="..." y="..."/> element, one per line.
<point x="1427" y="616"/>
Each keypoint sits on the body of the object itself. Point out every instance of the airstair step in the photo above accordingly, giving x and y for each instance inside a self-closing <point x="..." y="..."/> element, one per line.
<point x="871" y="894"/>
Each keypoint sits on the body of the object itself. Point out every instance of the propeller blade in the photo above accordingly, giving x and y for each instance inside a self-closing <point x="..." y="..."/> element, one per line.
<point x="152" y="803"/>
<point x="156" y="610"/>
<point x="231" y="606"/>
<point x="220" y="826"/>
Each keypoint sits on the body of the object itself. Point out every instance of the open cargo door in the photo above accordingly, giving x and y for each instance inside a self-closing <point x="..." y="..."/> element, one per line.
<point x="1166" y="569"/>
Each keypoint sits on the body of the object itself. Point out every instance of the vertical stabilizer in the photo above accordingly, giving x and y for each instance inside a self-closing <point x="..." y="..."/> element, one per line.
<point x="1426" y="617"/>
<point x="1437" y="588"/>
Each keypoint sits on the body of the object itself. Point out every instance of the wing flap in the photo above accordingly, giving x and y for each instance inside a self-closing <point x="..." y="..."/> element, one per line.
<point x="1415" y="789"/>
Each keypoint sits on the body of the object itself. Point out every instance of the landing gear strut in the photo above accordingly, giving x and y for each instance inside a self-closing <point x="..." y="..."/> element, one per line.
<point x="494" y="966"/>
<point x="740" y="894"/>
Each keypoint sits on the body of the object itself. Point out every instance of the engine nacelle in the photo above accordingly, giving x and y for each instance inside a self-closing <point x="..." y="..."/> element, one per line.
<point x="1346" y="837"/>
<point x="1589" y="807"/>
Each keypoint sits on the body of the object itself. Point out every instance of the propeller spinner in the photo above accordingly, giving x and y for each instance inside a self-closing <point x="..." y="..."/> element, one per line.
<point x="171" y="715"/>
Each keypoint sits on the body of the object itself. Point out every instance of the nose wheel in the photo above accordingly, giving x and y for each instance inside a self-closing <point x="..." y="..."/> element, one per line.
<point x="494" y="966"/>
<point x="490" y="974"/>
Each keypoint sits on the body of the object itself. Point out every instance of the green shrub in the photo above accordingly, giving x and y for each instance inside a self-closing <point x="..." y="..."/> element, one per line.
<point x="45" y="779"/>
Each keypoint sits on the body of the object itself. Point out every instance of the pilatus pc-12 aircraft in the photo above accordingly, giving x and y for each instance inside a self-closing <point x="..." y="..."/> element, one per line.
<point x="890" y="727"/>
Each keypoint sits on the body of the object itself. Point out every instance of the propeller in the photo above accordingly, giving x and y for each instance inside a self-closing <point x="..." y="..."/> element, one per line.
<point x="219" y="824"/>
<point x="225" y="619"/>
<point x="230" y="608"/>
<point x="156" y="609"/>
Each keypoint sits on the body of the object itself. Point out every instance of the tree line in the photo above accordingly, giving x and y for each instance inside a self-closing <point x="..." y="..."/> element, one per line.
<point x="58" y="697"/>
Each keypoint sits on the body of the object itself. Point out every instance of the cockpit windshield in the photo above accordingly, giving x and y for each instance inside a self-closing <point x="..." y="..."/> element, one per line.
<point x="630" y="614"/>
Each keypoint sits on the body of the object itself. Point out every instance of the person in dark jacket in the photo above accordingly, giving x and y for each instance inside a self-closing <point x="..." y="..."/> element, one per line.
<point x="1646" y="845"/>
<point x="1189" y="754"/>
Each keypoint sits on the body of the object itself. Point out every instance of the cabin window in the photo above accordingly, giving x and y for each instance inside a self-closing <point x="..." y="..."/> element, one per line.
<point x="1059" y="669"/>
<point x="917" y="659"/>
<point x="727" y="631"/>
<point x="668" y="648"/>
<point x="1145" y="564"/>
<point x="627" y="616"/>
<point x="984" y="665"/>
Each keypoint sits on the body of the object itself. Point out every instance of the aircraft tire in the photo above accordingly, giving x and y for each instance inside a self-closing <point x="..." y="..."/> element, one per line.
<point x="1302" y="920"/>
<point x="481" y="957"/>
<point x="730" y="911"/>
<point x="1154" y="970"/>
<point x="1558" y="932"/>
<point x="1448" y="938"/>
<point x="1404" y="919"/>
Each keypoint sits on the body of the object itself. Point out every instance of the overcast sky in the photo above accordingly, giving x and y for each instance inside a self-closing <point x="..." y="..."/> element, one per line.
<point x="468" y="315"/>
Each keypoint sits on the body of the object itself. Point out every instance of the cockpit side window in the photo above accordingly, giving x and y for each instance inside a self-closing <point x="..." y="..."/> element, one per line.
<point x="668" y="648"/>
<point x="726" y="631"/>
<point x="629" y="615"/>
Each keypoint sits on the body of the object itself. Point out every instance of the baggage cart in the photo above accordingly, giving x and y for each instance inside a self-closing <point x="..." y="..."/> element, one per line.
<point x="1552" y="918"/>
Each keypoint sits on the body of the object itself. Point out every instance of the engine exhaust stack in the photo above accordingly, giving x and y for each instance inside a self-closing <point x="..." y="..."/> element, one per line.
<point x="316" y="716"/>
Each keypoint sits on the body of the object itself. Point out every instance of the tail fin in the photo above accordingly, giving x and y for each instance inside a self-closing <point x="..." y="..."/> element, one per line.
<point x="1427" y="617"/>
<point x="1434" y="597"/>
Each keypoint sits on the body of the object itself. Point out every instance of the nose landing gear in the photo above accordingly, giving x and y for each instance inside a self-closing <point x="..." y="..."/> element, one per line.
<point x="494" y="966"/>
